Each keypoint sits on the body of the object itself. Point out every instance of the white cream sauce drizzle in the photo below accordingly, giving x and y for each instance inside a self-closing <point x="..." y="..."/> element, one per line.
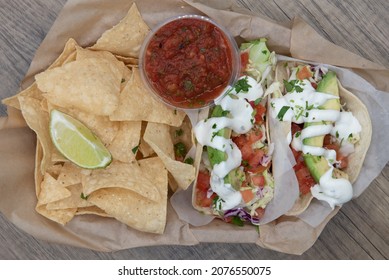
<point x="241" y="121"/>
<point x="303" y="107"/>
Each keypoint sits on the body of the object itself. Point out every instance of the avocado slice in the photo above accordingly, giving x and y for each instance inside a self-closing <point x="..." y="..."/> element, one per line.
<point x="215" y="156"/>
<point x="318" y="165"/>
<point x="236" y="177"/>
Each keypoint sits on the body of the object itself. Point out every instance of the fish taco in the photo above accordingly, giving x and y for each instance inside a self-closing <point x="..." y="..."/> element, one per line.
<point x="234" y="155"/>
<point x="328" y="128"/>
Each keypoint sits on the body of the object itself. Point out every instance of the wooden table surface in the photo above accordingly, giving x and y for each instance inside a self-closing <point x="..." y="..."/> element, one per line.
<point x="359" y="231"/>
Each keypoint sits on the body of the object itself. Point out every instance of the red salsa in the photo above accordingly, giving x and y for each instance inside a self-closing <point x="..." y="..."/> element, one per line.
<point x="188" y="62"/>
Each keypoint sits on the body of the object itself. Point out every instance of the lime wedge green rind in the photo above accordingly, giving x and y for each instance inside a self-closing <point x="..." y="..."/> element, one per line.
<point x="77" y="143"/>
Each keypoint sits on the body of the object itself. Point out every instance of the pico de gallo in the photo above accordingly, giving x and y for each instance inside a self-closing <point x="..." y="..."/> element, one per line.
<point x="190" y="61"/>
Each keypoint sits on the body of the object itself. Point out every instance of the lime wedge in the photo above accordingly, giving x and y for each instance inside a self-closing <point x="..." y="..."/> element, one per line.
<point x="77" y="143"/>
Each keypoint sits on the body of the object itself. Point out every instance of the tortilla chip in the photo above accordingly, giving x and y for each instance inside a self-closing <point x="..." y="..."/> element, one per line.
<point x="51" y="190"/>
<point x="38" y="120"/>
<point x="61" y="216"/>
<point x="126" y="37"/>
<point x="137" y="104"/>
<point x="183" y="134"/>
<point x="158" y="137"/>
<point x="91" y="85"/>
<point x="121" y="175"/>
<point x="70" y="174"/>
<point x="67" y="55"/>
<point x="91" y="210"/>
<point x="38" y="176"/>
<point x="134" y="61"/>
<point x="145" y="148"/>
<point x="125" y="145"/>
<point x="33" y="91"/>
<point x="75" y="200"/>
<point x="127" y="74"/>
<point x="131" y="208"/>
<point x="54" y="170"/>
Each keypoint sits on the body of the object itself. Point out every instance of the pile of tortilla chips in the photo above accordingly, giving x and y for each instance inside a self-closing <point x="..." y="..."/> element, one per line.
<point x="101" y="87"/>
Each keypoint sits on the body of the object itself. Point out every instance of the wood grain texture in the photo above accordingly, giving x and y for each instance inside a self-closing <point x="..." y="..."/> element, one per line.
<point x="359" y="231"/>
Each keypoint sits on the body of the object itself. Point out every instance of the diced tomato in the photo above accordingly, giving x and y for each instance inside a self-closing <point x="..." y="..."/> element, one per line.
<point x="327" y="140"/>
<point x="305" y="180"/>
<point x="251" y="157"/>
<point x="340" y="158"/>
<point x="202" y="187"/>
<point x="314" y="85"/>
<point x="244" y="61"/>
<point x="304" y="73"/>
<point x="342" y="161"/>
<point x="254" y="135"/>
<point x="296" y="128"/>
<point x="260" y="111"/>
<point x="259" y="212"/>
<point x="203" y="181"/>
<point x="258" y="180"/>
<point x="255" y="159"/>
<point x="247" y="195"/>
<point x="303" y="175"/>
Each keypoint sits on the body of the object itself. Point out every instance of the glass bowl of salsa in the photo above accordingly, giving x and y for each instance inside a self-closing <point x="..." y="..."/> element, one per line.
<point x="189" y="61"/>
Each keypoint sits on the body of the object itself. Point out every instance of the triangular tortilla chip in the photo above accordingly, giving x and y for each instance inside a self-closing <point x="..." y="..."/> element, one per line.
<point x="121" y="175"/>
<point x="158" y="137"/>
<point x="125" y="145"/>
<point x="126" y="37"/>
<point x="91" y="85"/>
<point x="133" y="209"/>
<point x="137" y="104"/>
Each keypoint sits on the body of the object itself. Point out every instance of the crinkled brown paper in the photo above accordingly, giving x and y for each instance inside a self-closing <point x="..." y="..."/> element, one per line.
<point x="85" y="21"/>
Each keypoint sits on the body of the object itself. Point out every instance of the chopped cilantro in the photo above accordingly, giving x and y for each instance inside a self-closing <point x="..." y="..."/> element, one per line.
<point x="189" y="160"/>
<point x="217" y="203"/>
<point x="308" y="107"/>
<point x="298" y="88"/>
<point x="179" y="132"/>
<point x="83" y="196"/>
<point x="257" y="101"/>
<point x="225" y="113"/>
<point x="242" y="85"/>
<point x="282" y="112"/>
<point x="214" y="126"/>
<point x="350" y="136"/>
<point x="188" y="86"/>
<point x="237" y="221"/>
<point x="264" y="51"/>
<point x="179" y="149"/>
<point x="135" y="149"/>
<point x="337" y="134"/>
<point x="292" y="85"/>
<point x="297" y="134"/>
